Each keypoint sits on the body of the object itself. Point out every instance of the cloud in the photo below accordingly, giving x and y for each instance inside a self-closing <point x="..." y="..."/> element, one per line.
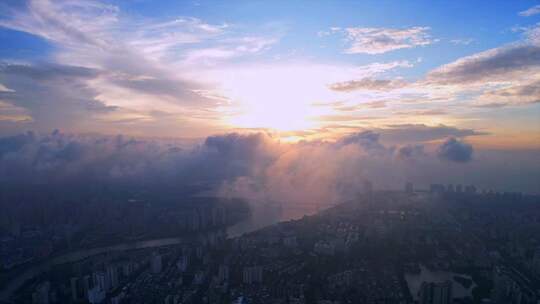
<point x="381" y="67"/>
<point x="521" y="94"/>
<point x="254" y="166"/>
<point x="455" y="150"/>
<point x="51" y="93"/>
<point x="367" y="84"/>
<point x="532" y="34"/>
<point x="64" y="22"/>
<point x="12" y="113"/>
<point x="376" y="104"/>
<point x="430" y="112"/>
<point x="464" y="41"/>
<point x="407" y="133"/>
<point x="495" y="65"/>
<point x="530" y="12"/>
<point x="410" y="152"/>
<point x="381" y="40"/>
<point x="368" y="140"/>
<point x="499" y="77"/>
<point x="4" y="89"/>
<point x="129" y="68"/>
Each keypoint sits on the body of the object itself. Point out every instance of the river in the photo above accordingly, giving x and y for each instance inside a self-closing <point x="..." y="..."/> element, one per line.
<point x="33" y="271"/>
<point x="261" y="217"/>
<point x="15" y="283"/>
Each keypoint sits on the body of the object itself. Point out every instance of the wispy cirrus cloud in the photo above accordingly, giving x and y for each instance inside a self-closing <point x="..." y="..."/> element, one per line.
<point x="369" y="40"/>
<point x="228" y="48"/>
<point x="462" y="41"/>
<point x="138" y="66"/>
<point x="367" y="84"/>
<point x="530" y="12"/>
<point x="429" y="112"/>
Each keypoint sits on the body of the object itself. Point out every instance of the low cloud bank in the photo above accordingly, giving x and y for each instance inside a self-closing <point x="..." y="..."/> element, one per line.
<point x="259" y="167"/>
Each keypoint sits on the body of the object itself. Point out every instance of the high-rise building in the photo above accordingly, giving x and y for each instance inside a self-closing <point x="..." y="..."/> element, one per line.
<point x="112" y="275"/>
<point x="252" y="275"/>
<point x="409" y="187"/>
<point x="96" y="295"/>
<point x="436" y="293"/>
<point x="470" y="189"/>
<point x="436" y="188"/>
<point x="536" y="261"/>
<point x="101" y="281"/>
<point x="182" y="263"/>
<point x="368" y="187"/>
<point x="155" y="263"/>
<point x="41" y="293"/>
<point x="223" y="273"/>
<point x="218" y="216"/>
<point x="76" y="288"/>
<point x="87" y="284"/>
<point x="512" y="287"/>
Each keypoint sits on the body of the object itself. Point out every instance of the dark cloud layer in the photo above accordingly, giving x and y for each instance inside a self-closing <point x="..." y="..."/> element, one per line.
<point x="52" y="93"/>
<point x="408" y="152"/>
<point x="256" y="166"/>
<point x="455" y="150"/>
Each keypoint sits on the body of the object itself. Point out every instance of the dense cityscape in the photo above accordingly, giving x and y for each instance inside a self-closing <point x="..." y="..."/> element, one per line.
<point x="449" y="244"/>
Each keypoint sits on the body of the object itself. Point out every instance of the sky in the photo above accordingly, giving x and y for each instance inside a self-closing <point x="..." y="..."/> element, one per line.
<point x="454" y="79"/>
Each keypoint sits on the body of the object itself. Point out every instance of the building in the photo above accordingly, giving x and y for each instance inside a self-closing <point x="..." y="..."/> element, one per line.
<point x="223" y="273"/>
<point x="536" y="261"/>
<point x="219" y="216"/>
<point x="252" y="275"/>
<point x="470" y="189"/>
<point x="324" y="248"/>
<point x="512" y="287"/>
<point x="290" y="241"/>
<point x="199" y="277"/>
<point x="96" y="295"/>
<point x="368" y="187"/>
<point x="112" y="276"/>
<point x="76" y="288"/>
<point x="87" y="284"/>
<point x="41" y="293"/>
<point x="155" y="263"/>
<point x="409" y="187"/>
<point x="182" y="263"/>
<point x="437" y="188"/>
<point x="435" y="293"/>
<point x="101" y="281"/>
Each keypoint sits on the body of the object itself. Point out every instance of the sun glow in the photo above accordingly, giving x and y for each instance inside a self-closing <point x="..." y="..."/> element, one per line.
<point x="279" y="97"/>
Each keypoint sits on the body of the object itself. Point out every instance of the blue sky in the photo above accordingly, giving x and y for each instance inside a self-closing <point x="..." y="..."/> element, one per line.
<point x="302" y="69"/>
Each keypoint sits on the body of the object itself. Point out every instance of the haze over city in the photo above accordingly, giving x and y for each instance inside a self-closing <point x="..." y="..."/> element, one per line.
<point x="137" y="121"/>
